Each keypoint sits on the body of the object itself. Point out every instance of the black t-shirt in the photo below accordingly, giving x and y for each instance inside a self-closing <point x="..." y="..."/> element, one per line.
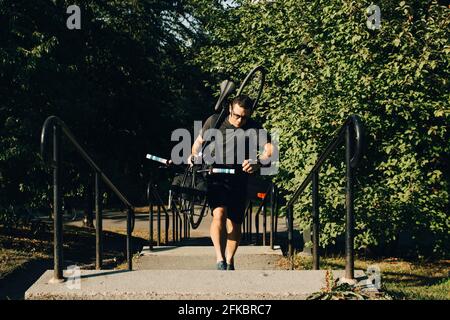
<point x="237" y="145"/>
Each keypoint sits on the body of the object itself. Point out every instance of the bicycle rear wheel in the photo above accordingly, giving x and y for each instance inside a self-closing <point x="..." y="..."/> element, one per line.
<point x="197" y="212"/>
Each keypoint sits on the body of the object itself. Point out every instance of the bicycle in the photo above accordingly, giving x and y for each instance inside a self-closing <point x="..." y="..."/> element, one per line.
<point x="188" y="192"/>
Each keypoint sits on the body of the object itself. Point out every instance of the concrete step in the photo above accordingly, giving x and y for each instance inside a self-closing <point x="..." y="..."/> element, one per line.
<point x="204" y="258"/>
<point x="183" y="285"/>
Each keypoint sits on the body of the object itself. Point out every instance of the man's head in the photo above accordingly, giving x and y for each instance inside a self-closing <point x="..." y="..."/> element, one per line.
<point x="240" y="110"/>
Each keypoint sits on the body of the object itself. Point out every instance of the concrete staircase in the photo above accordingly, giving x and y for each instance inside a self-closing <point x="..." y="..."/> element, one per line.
<point x="188" y="273"/>
<point x="185" y="285"/>
<point x="203" y="258"/>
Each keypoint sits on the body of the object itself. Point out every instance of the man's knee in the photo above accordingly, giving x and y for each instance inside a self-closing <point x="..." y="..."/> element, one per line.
<point x="220" y="214"/>
<point x="233" y="228"/>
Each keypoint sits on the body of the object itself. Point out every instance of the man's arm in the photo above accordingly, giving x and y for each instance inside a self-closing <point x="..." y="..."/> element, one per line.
<point x="196" y="148"/>
<point x="251" y="167"/>
<point x="198" y="143"/>
<point x="267" y="153"/>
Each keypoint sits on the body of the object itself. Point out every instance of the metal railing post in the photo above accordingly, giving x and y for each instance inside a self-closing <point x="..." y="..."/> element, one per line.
<point x="264" y="210"/>
<point x="349" y="250"/>
<point x="257" y="214"/>
<point x="290" y="215"/>
<point x="158" y="236"/>
<point x="88" y="220"/>
<point x="151" y="217"/>
<point x="185" y="222"/>
<point x="315" y="208"/>
<point x="98" y="225"/>
<point x="250" y="222"/>
<point x="247" y="223"/>
<point x="180" y="226"/>
<point x="166" y="226"/>
<point x="272" y="212"/>
<point x="150" y="214"/>
<point x="243" y="225"/>
<point x="189" y="230"/>
<point x="275" y="235"/>
<point x="176" y="225"/>
<point x="57" y="217"/>
<point x="174" y="208"/>
<point x="129" y="248"/>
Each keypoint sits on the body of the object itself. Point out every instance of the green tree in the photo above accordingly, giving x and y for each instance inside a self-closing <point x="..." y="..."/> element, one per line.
<point x="324" y="64"/>
<point x="122" y="83"/>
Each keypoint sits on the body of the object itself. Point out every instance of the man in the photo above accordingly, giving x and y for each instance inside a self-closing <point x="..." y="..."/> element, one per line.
<point x="227" y="192"/>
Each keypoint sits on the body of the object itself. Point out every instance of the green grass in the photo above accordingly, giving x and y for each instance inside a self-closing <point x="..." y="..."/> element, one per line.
<point x="25" y="255"/>
<point x="401" y="279"/>
<point x="19" y="247"/>
<point x="12" y="260"/>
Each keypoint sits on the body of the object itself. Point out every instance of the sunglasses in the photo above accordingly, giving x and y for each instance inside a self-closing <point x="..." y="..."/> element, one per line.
<point x="237" y="116"/>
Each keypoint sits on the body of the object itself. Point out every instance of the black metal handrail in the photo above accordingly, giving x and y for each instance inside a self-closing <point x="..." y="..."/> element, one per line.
<point x="59" y="127"/>
<point x="353" y="133"/>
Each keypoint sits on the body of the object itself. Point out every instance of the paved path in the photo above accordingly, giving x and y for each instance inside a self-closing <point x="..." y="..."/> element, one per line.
<point x="114" y="220"/>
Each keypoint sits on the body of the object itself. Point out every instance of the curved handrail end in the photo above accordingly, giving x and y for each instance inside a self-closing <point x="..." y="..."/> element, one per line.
<point x="49" y="122"/>
<point x="359" y="138"/>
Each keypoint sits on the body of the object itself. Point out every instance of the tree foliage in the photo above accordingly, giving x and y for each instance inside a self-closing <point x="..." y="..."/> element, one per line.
<point x="122" y="83"/>
<point x="136" y="70"/>
<point x="324" y="64"/>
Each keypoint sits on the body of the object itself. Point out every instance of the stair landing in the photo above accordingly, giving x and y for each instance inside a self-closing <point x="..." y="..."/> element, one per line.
<point x="204" y="258"/>
<point x="184" y="285"/>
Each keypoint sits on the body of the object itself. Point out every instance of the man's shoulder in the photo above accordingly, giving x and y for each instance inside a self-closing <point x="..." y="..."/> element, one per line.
<point x="253" y="124"/>
<point x="214" y="116"/>
<point x="211" y="120"/>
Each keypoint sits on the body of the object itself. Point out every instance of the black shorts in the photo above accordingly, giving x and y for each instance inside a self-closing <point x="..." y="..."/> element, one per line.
<point x="228" y="192"/>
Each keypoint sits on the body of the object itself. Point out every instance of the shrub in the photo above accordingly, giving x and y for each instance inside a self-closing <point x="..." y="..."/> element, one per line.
<point x="324" y="64"/>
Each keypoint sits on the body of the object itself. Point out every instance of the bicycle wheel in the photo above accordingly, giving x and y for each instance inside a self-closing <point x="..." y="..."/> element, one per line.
<point x="190" y="191"/>
<point x="197" y="212"/>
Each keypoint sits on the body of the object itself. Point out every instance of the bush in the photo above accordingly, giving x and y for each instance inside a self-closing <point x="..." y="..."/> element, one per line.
<point x="325" y="64"/>
<point x="15" y="217"/>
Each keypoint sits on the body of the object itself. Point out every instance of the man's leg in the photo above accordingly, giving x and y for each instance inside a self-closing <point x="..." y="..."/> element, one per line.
<point x="218" y="232"/>
<point x="233" y="238"/>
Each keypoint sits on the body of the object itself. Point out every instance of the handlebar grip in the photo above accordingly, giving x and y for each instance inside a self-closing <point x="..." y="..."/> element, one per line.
<point x="223" y="170"/>
<point x="157" y="159"/>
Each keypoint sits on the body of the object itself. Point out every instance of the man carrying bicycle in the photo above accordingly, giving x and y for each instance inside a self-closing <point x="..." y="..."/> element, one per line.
<point x="227" y="193"/>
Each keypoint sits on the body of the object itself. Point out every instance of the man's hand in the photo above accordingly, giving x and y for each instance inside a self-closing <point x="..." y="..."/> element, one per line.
<point x="191" y="160"/>
<point x="250" y="166"/>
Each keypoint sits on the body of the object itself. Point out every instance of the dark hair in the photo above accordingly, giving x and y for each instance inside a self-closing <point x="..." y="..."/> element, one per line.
<point x="243" y="101"/>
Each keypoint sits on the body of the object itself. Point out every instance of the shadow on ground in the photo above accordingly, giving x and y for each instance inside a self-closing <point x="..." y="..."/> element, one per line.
<point x="79" y="249"/>
<point x="14" y="285"/>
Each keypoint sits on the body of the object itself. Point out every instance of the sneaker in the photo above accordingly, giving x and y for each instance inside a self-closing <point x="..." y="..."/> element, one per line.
<point x="221" y="265"/>
<point x="230" y="266"/>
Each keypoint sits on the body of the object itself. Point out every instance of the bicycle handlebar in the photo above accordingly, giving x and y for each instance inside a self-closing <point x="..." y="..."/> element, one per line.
<point x="157" y="159"/>
<point x="210" y="170"/>
<point x="218" y="170"/>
